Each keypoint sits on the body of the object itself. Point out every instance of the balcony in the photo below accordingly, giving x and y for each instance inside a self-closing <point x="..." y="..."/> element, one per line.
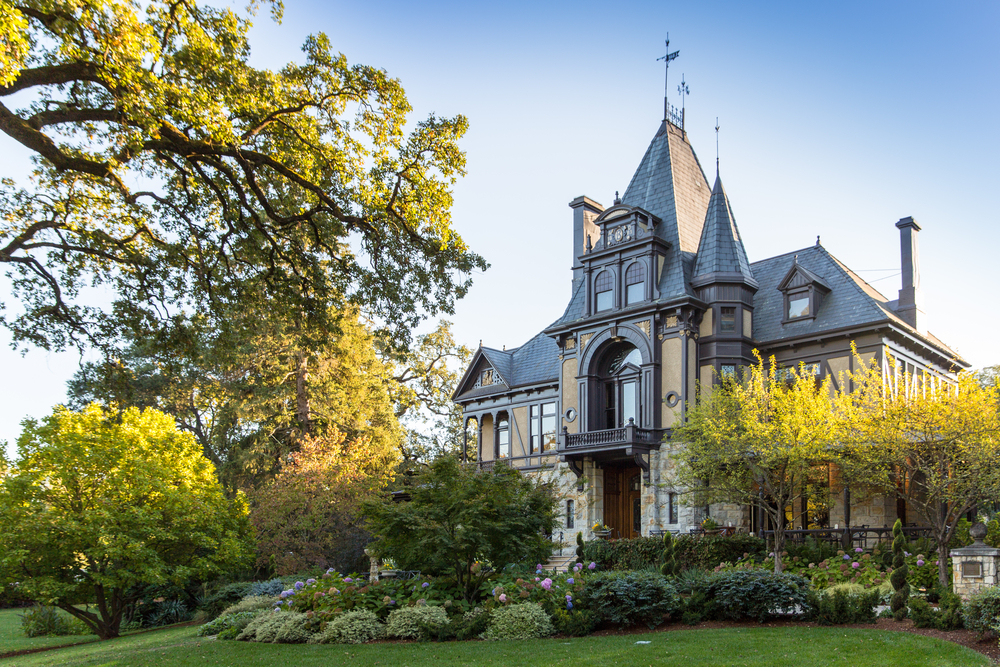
<point x="613" y="444"/>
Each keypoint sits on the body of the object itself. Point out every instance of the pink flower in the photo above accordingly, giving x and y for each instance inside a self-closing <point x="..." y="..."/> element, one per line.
<point x="546" y="583"/>
<point x="503" y="597"/>
<point x="536" y="578"/>
<point x="855" y="565"/>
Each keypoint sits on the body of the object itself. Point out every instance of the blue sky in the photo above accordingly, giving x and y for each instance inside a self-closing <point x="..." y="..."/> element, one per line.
<point x="836" y="119"/>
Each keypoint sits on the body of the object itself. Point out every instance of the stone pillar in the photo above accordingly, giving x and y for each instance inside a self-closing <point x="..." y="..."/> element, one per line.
<point x="974" y="567"/>
<point x="374" y="566"/>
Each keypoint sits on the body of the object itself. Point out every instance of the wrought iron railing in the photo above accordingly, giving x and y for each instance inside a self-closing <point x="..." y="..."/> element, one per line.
<point x="862" y="536"/>
<point x="614" y="436"/>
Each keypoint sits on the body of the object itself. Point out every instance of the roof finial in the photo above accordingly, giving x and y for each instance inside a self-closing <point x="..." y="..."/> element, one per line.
<point x="667" y="58"/>
<point x="717" y="146"/>
<point x="618" y="200"/>
<point x="480" y="342"/>
<point x="817" y="240"/>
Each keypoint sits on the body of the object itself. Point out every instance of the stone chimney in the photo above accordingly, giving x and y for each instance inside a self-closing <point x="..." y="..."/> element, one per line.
<point x="909" y="305"/>
<point x="585" y="211"/>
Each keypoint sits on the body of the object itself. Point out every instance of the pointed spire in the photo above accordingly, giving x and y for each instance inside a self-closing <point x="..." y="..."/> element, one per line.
<point x="721" y="255"/>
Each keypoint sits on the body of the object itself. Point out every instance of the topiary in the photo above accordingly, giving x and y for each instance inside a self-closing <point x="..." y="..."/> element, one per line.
<point x="670" y="566"/>
<point x="579" y="548"/>
<point x="519" y="621"/>
<point x="898" y="604"/>
<point x="415" y="622"/>
<point x="354" y="627"/>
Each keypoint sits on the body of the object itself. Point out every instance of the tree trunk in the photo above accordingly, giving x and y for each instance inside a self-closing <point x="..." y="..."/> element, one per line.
<point x="779" y="542"/>
<point x="301" y="392"/>
<point x="943" y="565"/>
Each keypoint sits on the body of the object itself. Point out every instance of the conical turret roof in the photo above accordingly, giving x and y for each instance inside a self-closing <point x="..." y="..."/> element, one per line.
<point x="721" y="255"/>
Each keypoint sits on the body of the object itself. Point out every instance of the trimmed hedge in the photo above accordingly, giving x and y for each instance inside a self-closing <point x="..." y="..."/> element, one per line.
<point x="689" y="551"/>
<point x="740" y="595"/>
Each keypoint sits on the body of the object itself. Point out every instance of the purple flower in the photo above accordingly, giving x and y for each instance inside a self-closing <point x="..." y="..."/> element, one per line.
<point x="570" y="580"/>
<point x="920" y="563"/>
<point x="392" y="602"/>
<point x="289" y="603"/>
<point x="846" y="557"/>
<point x="546" y="583"/>
<point x="299" y="585"/>
<point x="592" y="566"/>
<point x="424" y="585"/>
<point x="858" y="550"/>
<point x="310" y="581"/>
<point x="536" y="578"/>
<point x="284" y="594"/>
<point x="494" y="591"/>
<point x="855" y="565"/>
<point x="907" y="554"/>
<point x="348" y="580"/>
<point x="503" y="597"/>
<point x="538" y="567"/>
<point x="569" y="604"/>
<point x="568" y="597"/>
<point x="330" y="571"/>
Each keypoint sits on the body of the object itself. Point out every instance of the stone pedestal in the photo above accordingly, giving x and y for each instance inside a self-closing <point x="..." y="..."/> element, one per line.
<point x="974" y="567"/>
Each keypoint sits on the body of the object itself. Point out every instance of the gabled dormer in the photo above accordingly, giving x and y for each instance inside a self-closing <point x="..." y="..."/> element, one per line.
<point x="803" y="293"/>
<point x="489" y="372"/>
<point x="621" y="225"/>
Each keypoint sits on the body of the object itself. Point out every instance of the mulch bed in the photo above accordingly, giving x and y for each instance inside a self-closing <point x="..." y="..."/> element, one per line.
<point x="988" y="647"/>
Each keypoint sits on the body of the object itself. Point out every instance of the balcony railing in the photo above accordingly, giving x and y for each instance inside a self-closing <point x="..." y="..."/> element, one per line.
<point x="625" y="436"/>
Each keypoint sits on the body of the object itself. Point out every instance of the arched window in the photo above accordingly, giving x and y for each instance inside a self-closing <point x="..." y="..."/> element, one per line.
<point x="635" y="284"/>
<point x="604" y="290"/>
<point x="619" y="377"/>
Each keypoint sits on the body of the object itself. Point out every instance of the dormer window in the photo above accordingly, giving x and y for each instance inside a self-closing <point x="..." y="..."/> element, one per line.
<point x="604" y="291"/>
<point x="803" y="291"/>
<point x="635" y="284"/>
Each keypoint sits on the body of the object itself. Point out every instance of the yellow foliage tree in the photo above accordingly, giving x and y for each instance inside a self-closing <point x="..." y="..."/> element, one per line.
<point x="757" y="441"/>
<point x="935" y="444"/>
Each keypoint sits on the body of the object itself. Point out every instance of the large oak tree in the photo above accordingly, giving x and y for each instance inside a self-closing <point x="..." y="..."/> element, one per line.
<point x="179" y="178"/>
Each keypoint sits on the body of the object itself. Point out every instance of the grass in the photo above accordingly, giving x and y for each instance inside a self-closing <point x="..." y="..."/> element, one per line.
<point x="755" y="647"/>
<point x="11" y="638"/>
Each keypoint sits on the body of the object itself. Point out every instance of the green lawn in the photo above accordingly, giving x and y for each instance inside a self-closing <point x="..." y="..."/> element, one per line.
<point x="763" y="647"/>
<point x="11" y="638"/>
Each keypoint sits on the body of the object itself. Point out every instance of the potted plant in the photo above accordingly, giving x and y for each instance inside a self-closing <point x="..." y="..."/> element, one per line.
<point x="388" y="569"/>
<point x="601" y="531"/>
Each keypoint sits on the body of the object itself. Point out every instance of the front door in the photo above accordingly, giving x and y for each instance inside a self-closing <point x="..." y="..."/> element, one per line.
<point x="623" y="501"/>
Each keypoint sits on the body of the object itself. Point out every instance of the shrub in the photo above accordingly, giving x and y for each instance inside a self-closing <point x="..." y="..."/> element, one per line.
<point x="840" y="606"/>
<point x="628" y="598"/>
<point x="271" y="588"/>
<point x="690" y="580"/>
<point x="40" y="621"/>
<point x="811" y="550"/>
<point x="277" y="627"/>
<point x="251" y="603"/>
<point x="951" y="612"/>
<point x="699" y="607"/>
<point x="230" y="621"/>
<point x="228" y="595"/>
<point x="574" y="622"/>
<point x="519" y="621"/>
<point x="469" y="625"/>
<point x="354" y="627"/>
<point x="982" y="612"/>
<point x="165" y="613"/>
<point x="415" y="622"/>
<point x="670" y="566"/>
<point x="757" y="594"/>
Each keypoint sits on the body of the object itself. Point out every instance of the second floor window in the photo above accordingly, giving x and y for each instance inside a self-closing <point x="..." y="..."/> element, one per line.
<point x="543" y="427"/>
<point x="604" y="291"/>
<point x="727" y="319"/>
<point x="503" y="439"/>
<point x="635" y="284"/>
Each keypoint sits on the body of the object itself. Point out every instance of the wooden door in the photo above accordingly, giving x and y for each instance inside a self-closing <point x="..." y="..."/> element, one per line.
<point x="623" y="501"/>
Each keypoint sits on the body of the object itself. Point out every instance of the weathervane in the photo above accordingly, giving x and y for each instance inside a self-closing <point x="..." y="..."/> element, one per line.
<point x="666" y="61"/>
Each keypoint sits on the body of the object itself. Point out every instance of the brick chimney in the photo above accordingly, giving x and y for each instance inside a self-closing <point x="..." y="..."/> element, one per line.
<point x="909" y="305"/>
<point x="585" y="210"/>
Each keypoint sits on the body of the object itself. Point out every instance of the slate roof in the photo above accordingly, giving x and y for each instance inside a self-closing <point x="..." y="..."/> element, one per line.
<point x="535" y="361"/>
<point x="851" y="301"/>
<point x="671" y="185"/>
<point x="721" y="249"/>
